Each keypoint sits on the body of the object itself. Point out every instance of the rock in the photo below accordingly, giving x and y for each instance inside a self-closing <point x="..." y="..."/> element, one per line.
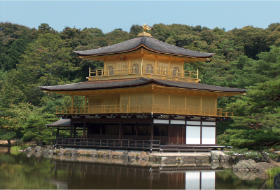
<point x="245" y="165"/>
<point x="125" y="155"/>
<point x="67" y="152"/>
<point x="214" y="165"/>
<point x="29" y="149"/>
<point x="250" y="176"/>
<point x="143" y="156"/>
<point x="276" y="182"/>
<point x="74" y="152"/>
<point x="202" y="159"/>
<point x="277" y="152"/>
<point x="189" y="159"/>
<point x="38" y="154"/>
<point x="109" y="154"/>
<point x="225" y="158"/>
<point x="170" y="160"/>
<point x="61" y="151"/>
<point x="38" y="149"/>
<point x="215" y="155"/>
<point x="263" y="166"/>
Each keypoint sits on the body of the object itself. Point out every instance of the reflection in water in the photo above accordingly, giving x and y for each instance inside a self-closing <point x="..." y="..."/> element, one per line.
<point x="20" y="171"/>
<point x="200" y="180"/>
<point x="4" y="150"/>
<point x="105" y="176"/>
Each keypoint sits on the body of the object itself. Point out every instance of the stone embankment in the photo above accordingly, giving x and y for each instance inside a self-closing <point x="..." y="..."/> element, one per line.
<point x="215" y="158"/>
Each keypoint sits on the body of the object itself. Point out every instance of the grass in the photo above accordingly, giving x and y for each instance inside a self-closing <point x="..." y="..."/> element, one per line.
<point x="271" y="173"/>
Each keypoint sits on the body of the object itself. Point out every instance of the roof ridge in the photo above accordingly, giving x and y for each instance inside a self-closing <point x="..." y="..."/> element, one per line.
<point x="108" y="45"/>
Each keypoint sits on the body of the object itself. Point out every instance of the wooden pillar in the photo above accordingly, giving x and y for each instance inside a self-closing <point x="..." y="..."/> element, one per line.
<point x="84" y="129"/>
<point x="169" y="132"/>
<point x="57" y="132"/>
<point x="100" y="129"/>
<point x="141" y="66"/>
<point x="72" y="105"/>
<point x="75" y="133"/>
<point x="71" y="129"/>
<point x="200" y="132"/>
<point x="120" y="130"/>
<point x="85" y="104"/>
<point x="129" y="66"/>
<point x="137" y="130"/>
<point x="152" y="131"/>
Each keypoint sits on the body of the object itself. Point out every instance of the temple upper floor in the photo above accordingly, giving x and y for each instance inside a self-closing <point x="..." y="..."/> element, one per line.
<point x="145" y="57"/>
<point x="143" y="64"/>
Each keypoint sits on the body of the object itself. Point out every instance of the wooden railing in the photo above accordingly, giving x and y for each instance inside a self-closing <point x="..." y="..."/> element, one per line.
<point x="158" y="72"/>
<point x="108" y="143"/>
<point x="70" y="110"/>
<point x="161" y="109"/>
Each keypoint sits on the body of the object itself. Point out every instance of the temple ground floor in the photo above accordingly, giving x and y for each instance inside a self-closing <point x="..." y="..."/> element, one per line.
<point x="161" y="132"/>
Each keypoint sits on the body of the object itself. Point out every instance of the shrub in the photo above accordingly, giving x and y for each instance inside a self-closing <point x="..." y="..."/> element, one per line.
<point x="15" y="148"/>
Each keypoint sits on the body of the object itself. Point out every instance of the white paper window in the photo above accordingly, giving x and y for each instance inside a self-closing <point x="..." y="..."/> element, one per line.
<point x="208" y="135"/>
<point x="159" y="121"/>
<point x="193" y="135"/>
<point x="208" y="123"/>
<point x="177" y="122"/>
<point x="193" y="122"/>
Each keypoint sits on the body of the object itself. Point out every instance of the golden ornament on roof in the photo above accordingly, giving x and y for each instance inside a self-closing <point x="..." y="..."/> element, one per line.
<point x="146" y="27"/>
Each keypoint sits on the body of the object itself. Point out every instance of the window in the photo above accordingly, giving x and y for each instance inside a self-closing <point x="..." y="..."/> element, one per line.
<point x="149" y="68"/>
<point x="160" y="130"/>
<point x="144" y="130"/>
<point x="111" y="70"/>
<point x="135" y="68"/>
<point x="176" y="72"/>
<point x="95" y="102"/>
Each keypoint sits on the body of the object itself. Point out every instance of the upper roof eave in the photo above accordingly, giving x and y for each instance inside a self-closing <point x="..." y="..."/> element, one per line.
<point x="146" y="42"/>
<point x="143" y="46"/>
<point x="125" y="83"/>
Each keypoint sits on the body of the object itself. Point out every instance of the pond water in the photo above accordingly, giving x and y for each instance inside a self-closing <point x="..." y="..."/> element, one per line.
<point x="18" y="171"/>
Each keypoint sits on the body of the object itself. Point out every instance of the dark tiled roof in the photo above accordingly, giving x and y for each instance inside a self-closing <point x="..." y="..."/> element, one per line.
<point x="148" y="42"/>
<point x="122" y="83"/>
<point x="60" y="123"/>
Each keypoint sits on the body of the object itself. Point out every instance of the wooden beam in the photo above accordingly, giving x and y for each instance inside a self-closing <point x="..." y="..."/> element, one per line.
<point x="57" y="132"/>
<point x="84" y="130"/>
<point x="86" y="104"/>
<point x="120" y="130"/>
<point x="72" y="105"/>
<point x="152" y="131"/>
<point x="71" y="129"/>
<point x="137" y="130"/>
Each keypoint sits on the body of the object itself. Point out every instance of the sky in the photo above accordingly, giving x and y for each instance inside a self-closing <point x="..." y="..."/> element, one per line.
<point x="109" y="15"/>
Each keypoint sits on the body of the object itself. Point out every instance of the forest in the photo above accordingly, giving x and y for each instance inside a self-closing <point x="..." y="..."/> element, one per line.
<point x="244" y="58"/>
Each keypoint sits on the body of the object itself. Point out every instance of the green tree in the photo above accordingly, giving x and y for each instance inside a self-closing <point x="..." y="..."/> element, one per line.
<point x="7" y="132"/>
<point x="34" y="128"/>
<point x="258" y="113"/>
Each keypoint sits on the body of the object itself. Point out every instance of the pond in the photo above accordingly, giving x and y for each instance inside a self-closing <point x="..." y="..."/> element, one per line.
<point x="18" y="171"/>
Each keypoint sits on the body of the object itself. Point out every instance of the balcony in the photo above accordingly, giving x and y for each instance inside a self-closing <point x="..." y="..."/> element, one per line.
<point x="158" y="73"/>
<point x="160" y="109"/>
